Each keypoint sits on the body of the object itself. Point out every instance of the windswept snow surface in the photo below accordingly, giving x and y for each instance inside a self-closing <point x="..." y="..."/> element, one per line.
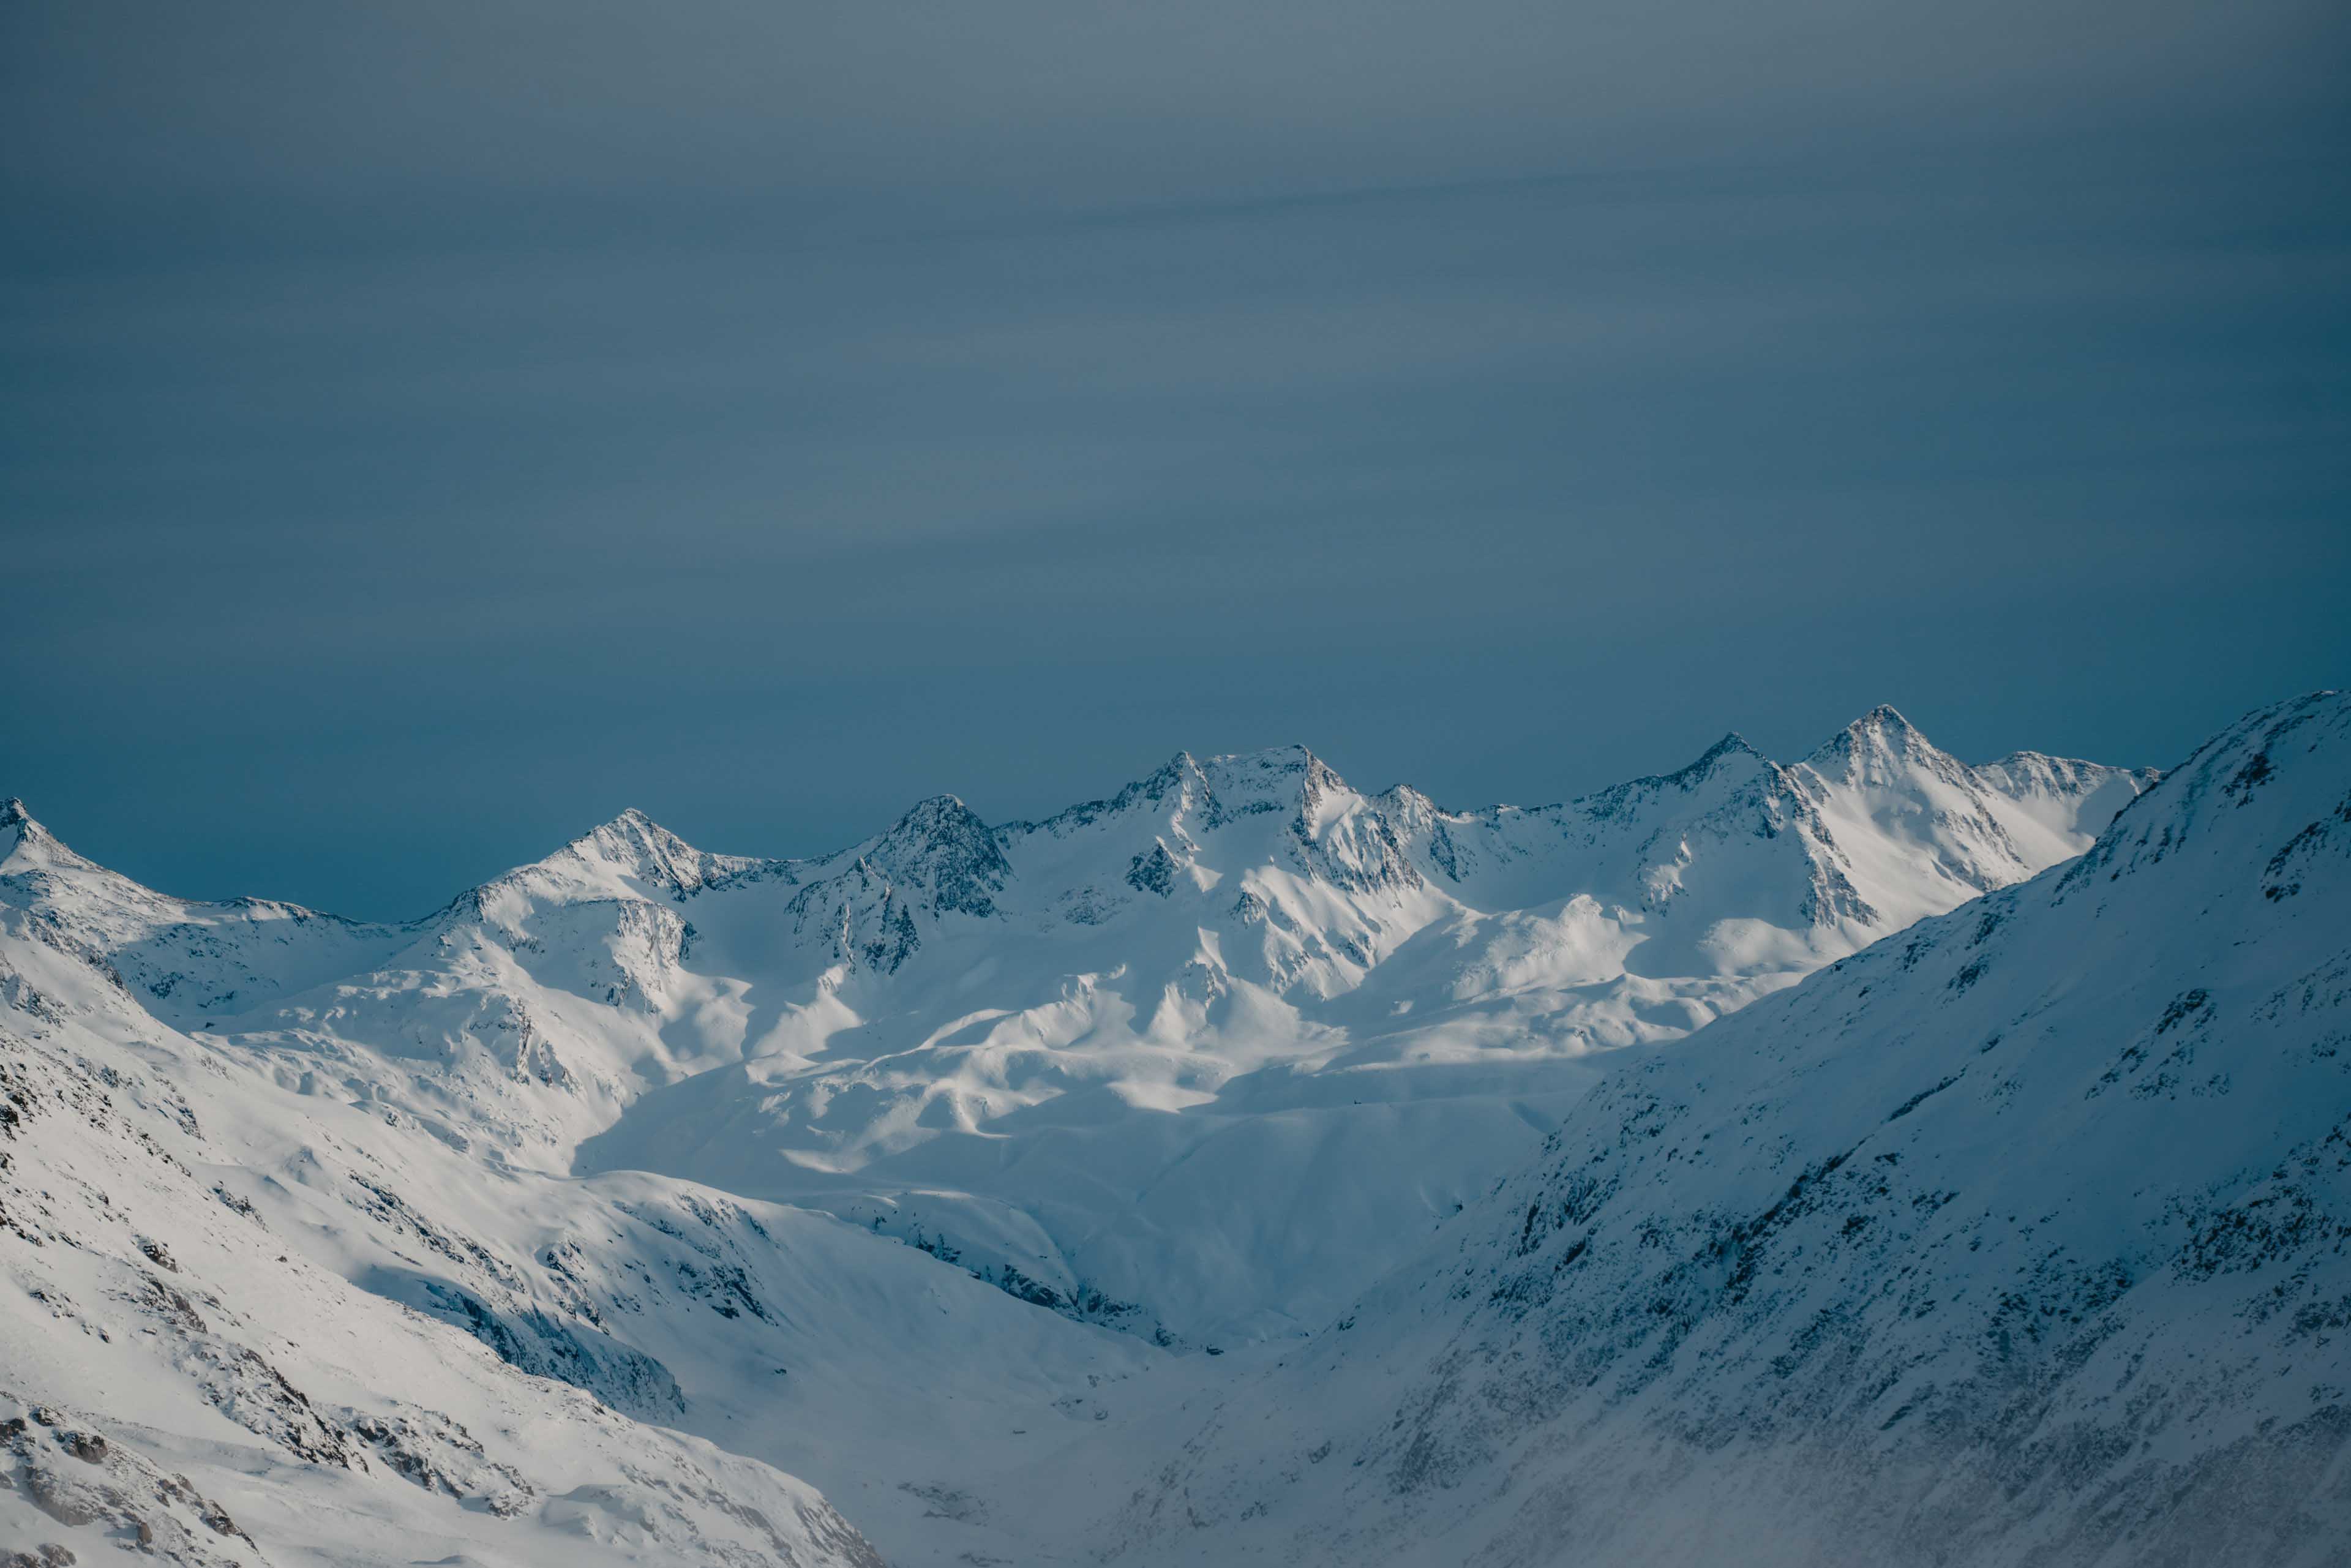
<point x="565" y="1224"/>
<point x="2023" y="1237"/>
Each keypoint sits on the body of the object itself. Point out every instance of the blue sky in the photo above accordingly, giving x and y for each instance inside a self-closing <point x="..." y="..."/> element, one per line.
<point x="430" y="429"/>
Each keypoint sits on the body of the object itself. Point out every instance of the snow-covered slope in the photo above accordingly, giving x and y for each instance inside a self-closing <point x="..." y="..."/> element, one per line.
<point x="251" y="1317"/>
<point x="1078" y="1055"/>
<point x="466" y="1239"/>
<point x="1086" y="1049"/>
<point x="227" y="1333"/>
<point x="2023" y="1237"/>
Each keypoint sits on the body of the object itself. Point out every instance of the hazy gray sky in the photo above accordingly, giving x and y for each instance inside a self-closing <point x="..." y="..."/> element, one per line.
<point x="427" y="429"/>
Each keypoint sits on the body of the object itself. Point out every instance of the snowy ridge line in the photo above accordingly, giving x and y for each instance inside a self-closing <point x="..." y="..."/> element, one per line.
<point x="1062" y="1052"/>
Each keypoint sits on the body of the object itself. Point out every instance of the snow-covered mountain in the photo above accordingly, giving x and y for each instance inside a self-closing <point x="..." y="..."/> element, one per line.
<point x="251" y="1316"/>
<point x="1070" y="1054"/>
<point x="462" y="1239"/>
<point x="2023" y="1237"/>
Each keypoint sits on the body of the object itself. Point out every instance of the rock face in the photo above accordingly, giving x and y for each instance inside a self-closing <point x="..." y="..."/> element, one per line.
<point x="2021" y="1237"/>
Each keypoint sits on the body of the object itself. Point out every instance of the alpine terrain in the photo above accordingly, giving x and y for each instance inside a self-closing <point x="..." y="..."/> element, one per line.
<point x="1239" y="1168"/>
<point x="2023" y="1237"/>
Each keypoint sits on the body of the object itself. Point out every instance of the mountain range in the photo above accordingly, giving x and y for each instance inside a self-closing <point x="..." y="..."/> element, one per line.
<point x="2021" y="1237"/>
<point x="1065" y="1053"/>
<point x="1299" y="1174"/>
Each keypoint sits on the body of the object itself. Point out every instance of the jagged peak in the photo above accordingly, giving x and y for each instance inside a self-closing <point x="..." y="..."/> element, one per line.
<point x="1884" y="728"/>
<point x="1732" y="744"/>
<point x="1181" y="766"/>
<point x="633" y="825"/>
<point x="933" y="814"/>
<point x="936" y="829"/>
<point x="636" y="837"/>
<point x="941" y="844"/>
<point x="631" y="845"/>
<point x="1731" y="755"/>
<point x="17" y="829"/>
<point x="1279" y="778"/>
<point x="1407" y="799"/>
<point x="1239" y="773"/>
<point x="42" y="844"/>
<point x="1885" y="715"/>
<point x="1732" y="748"/>
<point x="1221" y="786"/>
<point x="1881" y="732"/>
<point x="1885" y="720"/>
<point x="1178" y="772"/>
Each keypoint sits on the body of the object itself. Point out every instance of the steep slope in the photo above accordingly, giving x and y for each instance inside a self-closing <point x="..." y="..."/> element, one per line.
<point x="253" y="1317"/>
<point x="188" y="1371"/>
<point x="2023" y="1237"/>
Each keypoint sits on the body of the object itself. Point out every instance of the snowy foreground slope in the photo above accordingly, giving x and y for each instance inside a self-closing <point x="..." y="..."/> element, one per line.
<point x="220" y="1336"/>
<point x="2021" y="1237"/>
<point x="247" y="1320"/>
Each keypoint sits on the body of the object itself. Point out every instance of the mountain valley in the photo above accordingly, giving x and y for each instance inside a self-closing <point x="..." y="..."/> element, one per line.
<point x="1237" y="1167"/>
